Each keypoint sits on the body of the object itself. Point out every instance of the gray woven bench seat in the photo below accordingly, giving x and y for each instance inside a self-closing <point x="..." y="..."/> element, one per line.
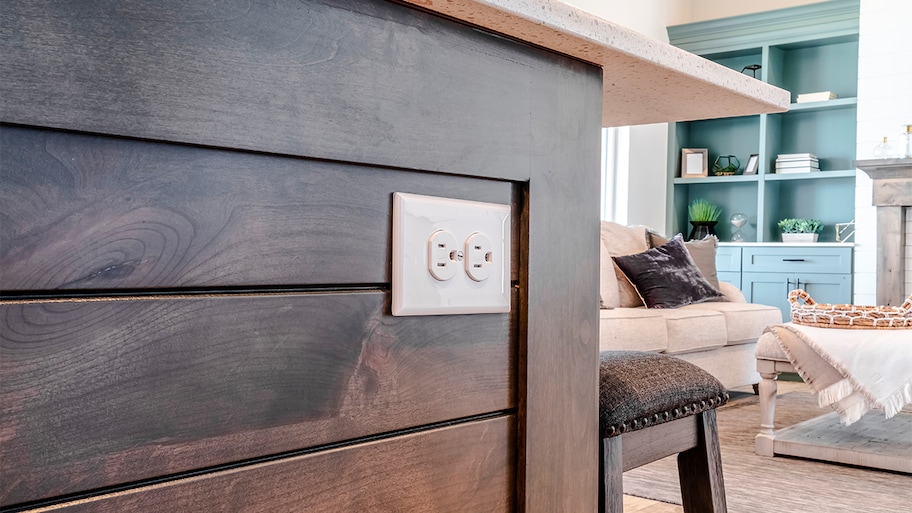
<point x="651" y="406"/>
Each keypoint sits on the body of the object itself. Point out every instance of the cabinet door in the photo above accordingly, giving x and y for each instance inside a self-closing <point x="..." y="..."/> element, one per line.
<point x="728" y="264"/>
<point x="730" y="277"/>
<point x="826" y="288"/>
<point x="769" y="289"/>
<point x="773" y="288"/>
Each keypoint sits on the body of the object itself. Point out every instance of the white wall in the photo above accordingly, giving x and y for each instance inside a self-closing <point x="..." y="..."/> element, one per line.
<point x="711" y="9"/>
<point x="649" y="17"/>
<point x="884" y="105"/>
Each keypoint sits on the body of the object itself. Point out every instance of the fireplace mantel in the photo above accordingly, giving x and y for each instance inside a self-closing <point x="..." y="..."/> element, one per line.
<point x="892" y="194"/>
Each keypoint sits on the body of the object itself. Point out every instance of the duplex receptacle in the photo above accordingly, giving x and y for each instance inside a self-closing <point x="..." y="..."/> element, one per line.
<point x="449" y="256"/>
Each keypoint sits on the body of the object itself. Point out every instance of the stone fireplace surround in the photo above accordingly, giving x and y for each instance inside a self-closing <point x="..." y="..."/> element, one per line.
<point x="892" y="195"/>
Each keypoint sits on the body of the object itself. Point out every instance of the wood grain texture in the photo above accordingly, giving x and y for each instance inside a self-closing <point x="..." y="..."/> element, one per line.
<point x="353" y="81"/>
<point x="890" y="264"/>
<point x="611" y="467"/>
<point x="372" y="82"/>
<point x="892" y="193"/>
<point x="95" y="393"/>
<point x="647" y="445"/>
<point x="89" y="212"/>
<point x="873" y="441"/>
<point x="700" y="469"/>
<point x="560" y="358"/>
<point x="466" y="468"/>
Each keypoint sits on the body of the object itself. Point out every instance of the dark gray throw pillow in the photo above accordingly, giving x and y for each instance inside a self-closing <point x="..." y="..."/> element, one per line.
<point x="667" y="277"/>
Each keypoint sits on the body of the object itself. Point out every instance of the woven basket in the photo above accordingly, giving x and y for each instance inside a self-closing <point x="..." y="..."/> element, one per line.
<point x="811" y="313"/>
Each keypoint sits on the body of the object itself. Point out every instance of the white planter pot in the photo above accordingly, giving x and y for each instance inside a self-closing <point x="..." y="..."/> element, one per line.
<point x="800" y="237"/>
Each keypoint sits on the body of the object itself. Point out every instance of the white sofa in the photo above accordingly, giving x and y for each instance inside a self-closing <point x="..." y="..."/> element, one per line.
<point x="718" y="336"/>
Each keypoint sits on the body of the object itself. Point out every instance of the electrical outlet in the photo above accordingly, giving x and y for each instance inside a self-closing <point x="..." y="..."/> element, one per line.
<point x="479" y="256"/>
<point x="443" y="255"/>
<point x="449" y="256"/>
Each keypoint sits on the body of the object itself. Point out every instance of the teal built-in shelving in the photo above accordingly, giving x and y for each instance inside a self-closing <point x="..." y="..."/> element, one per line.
<point x="802" y="49"/>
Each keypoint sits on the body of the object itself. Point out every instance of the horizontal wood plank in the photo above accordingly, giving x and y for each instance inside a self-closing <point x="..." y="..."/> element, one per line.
<point x="91" y="212"/>
<point x="468" y="468"/>
<point x="99" y="392"/>
<point x="371" y="82"/>
<point x="647" y="445"/>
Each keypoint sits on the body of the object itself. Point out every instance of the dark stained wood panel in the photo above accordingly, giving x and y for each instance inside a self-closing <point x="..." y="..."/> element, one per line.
<point x="466" y="468"/>
<point x="100" y="392"/>
<point x="358" y="81"/>
<point x="561" y="316"/>
<point x="351" y="80"/>
<point x="90" y="212"/>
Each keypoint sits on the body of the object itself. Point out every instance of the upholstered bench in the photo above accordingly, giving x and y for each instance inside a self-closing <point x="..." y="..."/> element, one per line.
<point x="652" y="406"/>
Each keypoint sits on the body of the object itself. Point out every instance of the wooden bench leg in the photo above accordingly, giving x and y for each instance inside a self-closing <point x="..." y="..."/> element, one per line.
<point x="611" y="470"/>
<point x="700" y="470"/>
<point x="763" y="443"/>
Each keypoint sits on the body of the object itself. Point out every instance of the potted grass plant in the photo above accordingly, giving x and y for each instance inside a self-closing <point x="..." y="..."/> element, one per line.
<point x="703" y="217"/>
<point x="800" y="230"/>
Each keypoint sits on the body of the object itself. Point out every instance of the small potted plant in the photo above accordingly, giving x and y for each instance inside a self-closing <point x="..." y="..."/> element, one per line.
<point x="800" y="230"/>
<point x="703" y="217"/>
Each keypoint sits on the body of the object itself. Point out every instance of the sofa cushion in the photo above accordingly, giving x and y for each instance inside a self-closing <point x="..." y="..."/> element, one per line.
<point x="744" y="322"/>
<point x="618" y="240"/>
<point x="609" y="296"/>
<point x="667" y="277"/>
<point x="732" y="294"/>
<point x="702" y="251"/>
<point x="638" y="329"/>
<point x="694" y="330"/>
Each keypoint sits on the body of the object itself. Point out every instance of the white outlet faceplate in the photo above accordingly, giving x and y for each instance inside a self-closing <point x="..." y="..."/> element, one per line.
<point x="479" y="279"/>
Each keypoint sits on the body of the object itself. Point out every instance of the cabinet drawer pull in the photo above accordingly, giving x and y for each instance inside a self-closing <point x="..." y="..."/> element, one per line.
<point x="793" y="260"/>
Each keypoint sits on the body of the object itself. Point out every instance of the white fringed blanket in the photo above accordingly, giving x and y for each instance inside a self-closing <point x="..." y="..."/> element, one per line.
<point x="851" y="370"/>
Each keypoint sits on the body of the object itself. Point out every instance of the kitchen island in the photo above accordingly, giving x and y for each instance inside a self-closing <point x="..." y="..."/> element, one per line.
<point x="196" y="205"/>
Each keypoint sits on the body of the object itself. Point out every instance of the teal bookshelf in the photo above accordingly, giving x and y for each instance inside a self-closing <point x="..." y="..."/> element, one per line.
<point x="802" y="49"/>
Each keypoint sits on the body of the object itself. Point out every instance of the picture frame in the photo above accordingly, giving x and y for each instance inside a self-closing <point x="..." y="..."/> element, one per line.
<point x="753" y="163"/>
<point x="694" y="162"/>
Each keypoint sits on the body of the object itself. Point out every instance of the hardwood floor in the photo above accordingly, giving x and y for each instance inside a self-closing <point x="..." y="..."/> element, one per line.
<point x="637" y="505"/>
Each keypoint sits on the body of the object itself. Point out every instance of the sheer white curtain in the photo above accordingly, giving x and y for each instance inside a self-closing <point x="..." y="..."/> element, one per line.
<point x="615" y="173"/>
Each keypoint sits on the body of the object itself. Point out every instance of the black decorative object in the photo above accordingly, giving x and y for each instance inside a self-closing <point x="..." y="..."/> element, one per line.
<point x="701" y="229"/>
<point x="753" y="69"/>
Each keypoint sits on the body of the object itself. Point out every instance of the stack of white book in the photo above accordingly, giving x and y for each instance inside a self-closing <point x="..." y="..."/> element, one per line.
<point x="821" y="96"/>
<point x="796" y="163"/>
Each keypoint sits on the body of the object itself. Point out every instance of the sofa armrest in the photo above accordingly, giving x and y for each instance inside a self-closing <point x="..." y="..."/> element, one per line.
<point x="732" y="294"/>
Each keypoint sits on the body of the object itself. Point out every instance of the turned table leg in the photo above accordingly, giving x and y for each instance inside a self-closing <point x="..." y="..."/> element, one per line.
<point x="767" y="391"/>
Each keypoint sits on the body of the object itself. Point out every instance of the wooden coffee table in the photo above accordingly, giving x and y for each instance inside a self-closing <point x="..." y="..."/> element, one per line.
<point x="872" y="441"/>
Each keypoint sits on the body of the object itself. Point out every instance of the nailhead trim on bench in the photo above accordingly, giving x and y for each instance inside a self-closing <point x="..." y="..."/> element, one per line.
<point x="666" y="416"/>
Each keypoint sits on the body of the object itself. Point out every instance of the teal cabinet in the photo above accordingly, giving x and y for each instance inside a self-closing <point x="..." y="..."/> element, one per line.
<point x="773" y="288"/>
<point x="728" y="264"/>
<point x="797" y="259"/>
<point x="770" y="272"/>
<point x="804" y="49"/>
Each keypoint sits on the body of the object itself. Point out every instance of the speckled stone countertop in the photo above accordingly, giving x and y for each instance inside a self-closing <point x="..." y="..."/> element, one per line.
<point x="644" y="80"/>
